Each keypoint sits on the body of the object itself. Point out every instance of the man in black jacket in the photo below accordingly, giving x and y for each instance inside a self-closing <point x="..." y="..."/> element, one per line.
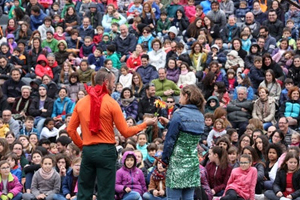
<point x="12" y="87"/>
<point x="240" y="110"/>
<point x="146" y="104"/>
<point x="41" y="107"/>
<point x="94" y="15"/>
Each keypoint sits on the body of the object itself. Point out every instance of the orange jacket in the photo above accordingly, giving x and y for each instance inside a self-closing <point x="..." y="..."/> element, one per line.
<point x="110" y="115"/>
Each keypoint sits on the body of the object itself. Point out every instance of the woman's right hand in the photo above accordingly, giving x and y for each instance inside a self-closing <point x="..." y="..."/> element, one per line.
<point x="164" y="121"/>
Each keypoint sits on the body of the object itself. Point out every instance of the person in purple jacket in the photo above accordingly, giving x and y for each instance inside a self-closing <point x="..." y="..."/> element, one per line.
<point x="130" y="181"/>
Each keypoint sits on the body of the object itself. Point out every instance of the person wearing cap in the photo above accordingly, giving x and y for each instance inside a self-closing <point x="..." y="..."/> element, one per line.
<point x="41" y="107"/>
<point x="216" y="15"/>
<point x="21" y="105"/>
<point x="216" y="55"/>
<point x="50" y="42"/>
<point x="94" y="15"/>
<point x="46" y="26"/>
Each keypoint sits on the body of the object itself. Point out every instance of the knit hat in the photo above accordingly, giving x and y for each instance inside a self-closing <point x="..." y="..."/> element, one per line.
<point x="215" y="46"/>
<point x="49" y="31"/>
<point x="230" y="71"/>
<point x="44" y="86"/>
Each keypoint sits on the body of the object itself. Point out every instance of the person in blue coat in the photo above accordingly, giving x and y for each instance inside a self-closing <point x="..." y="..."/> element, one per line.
<point x="148" y="72"/>
<point x="37" y="17"/>
<point x="62" y="105"/>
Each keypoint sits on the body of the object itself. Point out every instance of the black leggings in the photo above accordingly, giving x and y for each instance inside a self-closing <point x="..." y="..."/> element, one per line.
<point x="231" y="195"/>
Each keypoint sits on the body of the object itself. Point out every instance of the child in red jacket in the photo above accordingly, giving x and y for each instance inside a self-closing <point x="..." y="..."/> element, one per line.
<point x="42" y="68"/>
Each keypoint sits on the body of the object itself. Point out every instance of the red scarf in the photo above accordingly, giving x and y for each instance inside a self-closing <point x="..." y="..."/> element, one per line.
<point x="96" y="94"/>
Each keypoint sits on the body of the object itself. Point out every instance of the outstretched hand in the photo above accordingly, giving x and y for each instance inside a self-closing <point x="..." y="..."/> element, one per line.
<point x="164" y="121"/>
<point x="151" y="121"/>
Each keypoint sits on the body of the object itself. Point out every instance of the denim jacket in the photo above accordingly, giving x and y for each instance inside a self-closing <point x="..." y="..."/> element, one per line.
<point x="187" y="119"/>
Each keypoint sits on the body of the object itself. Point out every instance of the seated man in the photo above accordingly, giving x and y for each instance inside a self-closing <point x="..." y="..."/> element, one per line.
<point x="240" y="110"/>
<point x="165" y="87"/>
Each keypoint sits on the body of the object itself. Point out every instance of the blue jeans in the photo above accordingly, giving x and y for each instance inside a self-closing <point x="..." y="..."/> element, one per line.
<point x="267" y="125"/>
<point x="39" y="123"/>
<point x="149" y="196"/>
<point x="177" y="194"/>
<point x="133" y="195"/>
<point x="18" y="196"/>
<point x="60" y="197"/>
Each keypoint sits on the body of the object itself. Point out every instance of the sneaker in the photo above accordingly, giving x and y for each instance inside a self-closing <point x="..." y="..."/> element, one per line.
<point x="259" y="197"/>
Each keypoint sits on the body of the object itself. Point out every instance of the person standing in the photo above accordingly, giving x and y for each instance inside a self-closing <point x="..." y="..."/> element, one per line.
<point x="99" y="153"/>
<point x="180" y="154"/>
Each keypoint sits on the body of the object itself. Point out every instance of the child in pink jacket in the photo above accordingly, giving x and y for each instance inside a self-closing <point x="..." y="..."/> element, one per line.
<point x="242" y="181"/>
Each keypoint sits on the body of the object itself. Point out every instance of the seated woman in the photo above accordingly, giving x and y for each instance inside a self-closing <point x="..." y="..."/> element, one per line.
<point x="128" y="103"/>
<point x="271" y="84"/>
<point x="277" y="137"/>
<point x="291" y="108"/>
<point x="21" y="105"/>
<point x="264" y="108"/>
<point x="146" y="38"/>
<point x="62" y="106"/>
<point x="218" y="170"/>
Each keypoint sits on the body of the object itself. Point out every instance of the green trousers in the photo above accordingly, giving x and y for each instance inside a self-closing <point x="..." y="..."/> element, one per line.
<point x="98" y="161"/>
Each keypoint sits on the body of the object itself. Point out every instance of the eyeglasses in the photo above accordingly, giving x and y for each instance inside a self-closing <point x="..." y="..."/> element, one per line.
<point x="145" y="32"/>
<point x="19" y="149"/>
<point x="244" y="163"/>
<point x="170" y="101"/>
<point x="5" y="168"/>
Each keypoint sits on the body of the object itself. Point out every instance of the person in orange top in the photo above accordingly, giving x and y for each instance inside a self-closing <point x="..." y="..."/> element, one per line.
<point x="97" y="113"/>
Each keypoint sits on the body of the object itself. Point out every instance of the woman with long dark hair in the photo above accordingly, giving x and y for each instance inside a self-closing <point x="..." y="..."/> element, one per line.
<point x="184" y="130"/>
<point x="268" y="63"/>
<point x="207" y="84"/>
<point x="271" y="84"/>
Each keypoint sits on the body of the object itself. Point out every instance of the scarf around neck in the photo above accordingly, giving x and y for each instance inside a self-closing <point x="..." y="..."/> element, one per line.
<point x="46" y="175"/>
<point x="126" y="102"/>
<point x="96" y="94"/>
<point x="256" y="12"/>
<point x="158" y="176"/>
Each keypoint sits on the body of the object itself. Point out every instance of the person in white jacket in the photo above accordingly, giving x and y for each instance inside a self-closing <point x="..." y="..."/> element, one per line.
<point x="49" y="131"/>
<point x="157" y="55"/>
<point x="187" y="76"/>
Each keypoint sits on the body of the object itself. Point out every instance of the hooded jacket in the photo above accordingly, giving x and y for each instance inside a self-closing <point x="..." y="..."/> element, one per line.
<point x="41" y="70"/>
<point x="132" y="178"/>
<point x="61" y="56"/>
<point x="43" y="30"/>
<point x="234" y="63"/>
<point x="208" y="108"/>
